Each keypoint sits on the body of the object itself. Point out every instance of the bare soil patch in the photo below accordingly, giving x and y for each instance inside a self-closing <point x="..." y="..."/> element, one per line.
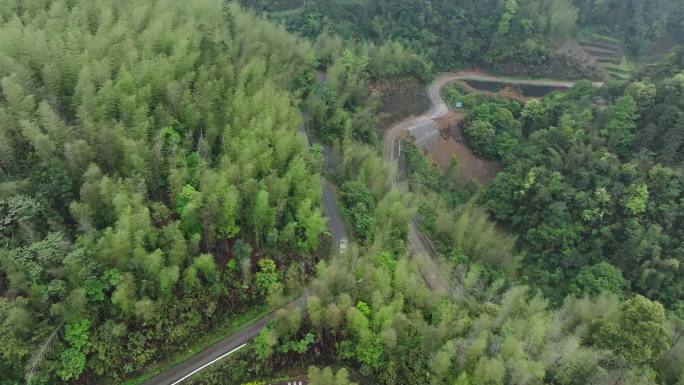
<point x="558" y="66"/>
<point x="452" y="144"/>
<point x="602" y="56"/>
<point x="449" y="122"/>
<point x="470" y="166"/>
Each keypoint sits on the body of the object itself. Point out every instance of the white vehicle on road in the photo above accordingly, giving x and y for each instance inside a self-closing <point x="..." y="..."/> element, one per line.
<point x="342" y="245"/>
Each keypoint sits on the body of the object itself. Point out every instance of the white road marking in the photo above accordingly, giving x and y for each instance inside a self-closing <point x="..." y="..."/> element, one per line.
<point x="207" y="364"/>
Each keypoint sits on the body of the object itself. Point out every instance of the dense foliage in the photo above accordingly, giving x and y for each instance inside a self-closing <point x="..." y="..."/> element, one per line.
<point x="585" y="189"/>
<point x="374" y="311"/>
<point x="660" y="108"/>
<point x="370" y="309"/>
<point x="515" y="35"/>
<point x="152" y="179"/>
<point x="153" y="183"/>
<point x="593" y="190"/>
<point x="639" y="23"/>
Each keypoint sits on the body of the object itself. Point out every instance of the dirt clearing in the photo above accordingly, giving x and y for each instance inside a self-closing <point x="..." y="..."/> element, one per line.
<point x="452" y="144"/>
<point x="470" y="166"/>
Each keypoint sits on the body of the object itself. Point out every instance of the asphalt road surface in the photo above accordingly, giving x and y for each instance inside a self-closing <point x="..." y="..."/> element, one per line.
<point x="214" y="353"/>
<point x="423" y="252"/>
<point x="337" y="227"/>
<point x="223" y="348"/>
<point x="431" y="270"/>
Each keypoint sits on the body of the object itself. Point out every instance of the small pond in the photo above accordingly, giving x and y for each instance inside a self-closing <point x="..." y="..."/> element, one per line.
<point x="526" y="90"/>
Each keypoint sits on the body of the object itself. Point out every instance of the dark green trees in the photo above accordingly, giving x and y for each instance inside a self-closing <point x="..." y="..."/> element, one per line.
<point x="514" y="35"/>
<point x="593" y="209"/>
<point x="600" y="278"/>
<point x="152" y="179"/>
<point x="638" y="335"/>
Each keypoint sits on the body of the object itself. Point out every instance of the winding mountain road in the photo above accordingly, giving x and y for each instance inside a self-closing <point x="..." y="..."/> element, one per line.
<point x="431" y="270"/>
<point x="435" y="276"/>
<point x="222" y="349"/>
<point x="439" y="108"/>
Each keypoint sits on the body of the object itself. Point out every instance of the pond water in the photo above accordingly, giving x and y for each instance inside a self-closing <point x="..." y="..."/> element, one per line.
<point x="526" y="90"/>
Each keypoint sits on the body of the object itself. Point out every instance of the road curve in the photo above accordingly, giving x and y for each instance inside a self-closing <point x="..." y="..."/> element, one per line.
<point x="427" y="258"/>
<point x="432" y="272"/>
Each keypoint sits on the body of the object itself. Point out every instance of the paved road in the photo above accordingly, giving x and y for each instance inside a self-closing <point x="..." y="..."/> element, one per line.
<point x="178" y="373"/>
<point x="432" y="272"/>
<point x="336" y="225"/>
<point x="465" y="75"/>
<point x="434" y="275"/>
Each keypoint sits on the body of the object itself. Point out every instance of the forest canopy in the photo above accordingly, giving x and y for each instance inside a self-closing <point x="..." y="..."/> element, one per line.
<point x="511" y="35"/>
<point x="152" y="179"/>
<point x="160" y="178"/>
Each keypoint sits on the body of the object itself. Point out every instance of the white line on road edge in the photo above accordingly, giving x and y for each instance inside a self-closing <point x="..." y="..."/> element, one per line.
<point x="207" y="364"/>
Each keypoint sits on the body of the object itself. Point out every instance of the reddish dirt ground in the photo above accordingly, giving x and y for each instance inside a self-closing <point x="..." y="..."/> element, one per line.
<point x="451" y="144"/>
<point x="449" y="121"/>
<point x="470" y="166"/>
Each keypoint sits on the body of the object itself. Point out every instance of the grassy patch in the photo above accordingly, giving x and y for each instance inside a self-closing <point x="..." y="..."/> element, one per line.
<point x="620" y="71"/>
<point x="454" y="93"/>
<point x="598" y="35"/>
<point x="402" y="98"/>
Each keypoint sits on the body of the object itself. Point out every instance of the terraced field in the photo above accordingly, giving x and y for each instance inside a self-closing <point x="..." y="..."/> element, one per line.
<point x="606" y="54"/>
<point x="599" y="51"/>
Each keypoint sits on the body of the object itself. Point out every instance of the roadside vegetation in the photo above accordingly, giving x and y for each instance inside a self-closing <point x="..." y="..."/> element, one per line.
<point x="512" y="36"/>
<point x="153" y="181"/>
<point x="156" y="190"/>
<point x="547" y="293"/>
